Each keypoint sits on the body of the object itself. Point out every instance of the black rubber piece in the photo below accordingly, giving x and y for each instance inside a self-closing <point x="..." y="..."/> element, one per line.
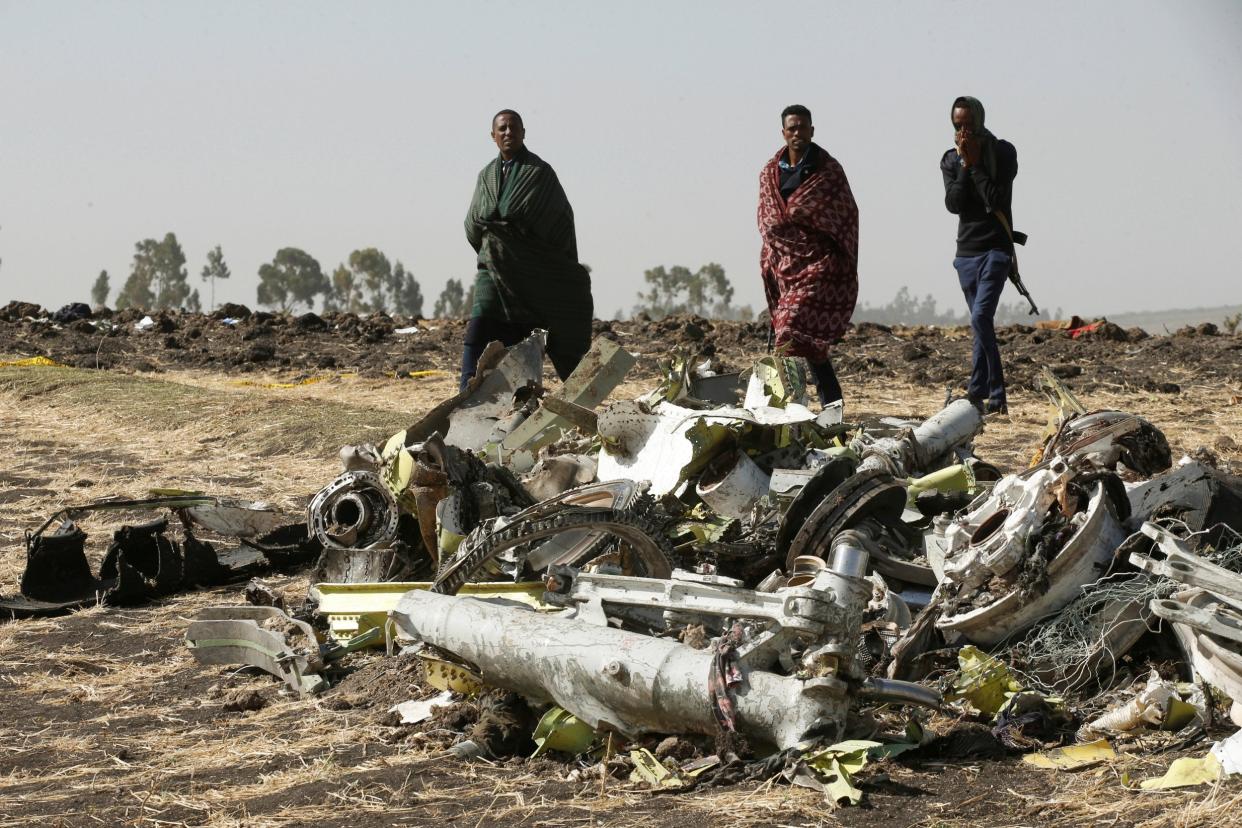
<point x="871" y="494"/>
<point x="56" y="566"/>
<point x="828" y="478"/>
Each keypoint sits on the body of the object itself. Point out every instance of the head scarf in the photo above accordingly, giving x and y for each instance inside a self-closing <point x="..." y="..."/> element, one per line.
<point x="987" y="141"/>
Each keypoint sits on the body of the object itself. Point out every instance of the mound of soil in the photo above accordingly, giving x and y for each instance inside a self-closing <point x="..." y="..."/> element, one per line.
<point x="233" y="338"/>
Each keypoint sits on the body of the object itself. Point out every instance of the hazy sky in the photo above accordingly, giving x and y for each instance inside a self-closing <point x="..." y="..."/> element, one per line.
<point x="335" y="126"/>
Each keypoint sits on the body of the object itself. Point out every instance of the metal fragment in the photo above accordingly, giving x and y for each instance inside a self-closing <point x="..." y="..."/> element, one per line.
<point x="260" y="637"/>
<point x="1080" y="561"/>
<point x="600" y="371"/>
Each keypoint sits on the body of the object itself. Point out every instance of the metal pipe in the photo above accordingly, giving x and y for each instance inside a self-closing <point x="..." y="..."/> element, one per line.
<point x="615" y="679"/>
<point x="849" y="557"/>
<point x="900" y="692"/>
<point x="954" y="425"/>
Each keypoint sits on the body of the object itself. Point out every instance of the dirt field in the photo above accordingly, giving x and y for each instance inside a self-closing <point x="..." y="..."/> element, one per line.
<point x="107" y="720"/>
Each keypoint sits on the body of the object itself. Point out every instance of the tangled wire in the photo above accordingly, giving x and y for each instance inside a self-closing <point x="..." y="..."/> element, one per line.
<point x="1074" y="648"/>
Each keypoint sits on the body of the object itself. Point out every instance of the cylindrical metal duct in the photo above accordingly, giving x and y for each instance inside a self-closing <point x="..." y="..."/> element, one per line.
<point x="732" y="483"/>
<point x="849" y="557"/>
<point x="611" y="678"/>
<point x="954" y="425"/>
<point x="900" y="692"/>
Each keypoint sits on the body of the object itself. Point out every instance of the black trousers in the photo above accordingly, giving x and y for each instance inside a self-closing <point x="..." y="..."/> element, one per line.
<point x="826" y="381"/>
<point x="481" y="330"/>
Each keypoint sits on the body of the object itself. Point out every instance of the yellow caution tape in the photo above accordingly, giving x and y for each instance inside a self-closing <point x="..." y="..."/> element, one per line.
<point x="29" y="362"/>
<point x="417" y="374"/>
<point x="325" y="378"/>
<point x="298" y="384"/>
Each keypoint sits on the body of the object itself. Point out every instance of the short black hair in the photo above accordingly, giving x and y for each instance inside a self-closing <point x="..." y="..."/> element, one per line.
<point x="521" y="123"/>
<point x="796" y="109"/>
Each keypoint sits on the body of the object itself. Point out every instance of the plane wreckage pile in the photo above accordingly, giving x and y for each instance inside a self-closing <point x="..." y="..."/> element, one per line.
<point x="715" y="561"/>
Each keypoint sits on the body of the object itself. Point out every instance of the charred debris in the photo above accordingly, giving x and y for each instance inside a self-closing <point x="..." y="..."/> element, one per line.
<point x="714" y="582"/>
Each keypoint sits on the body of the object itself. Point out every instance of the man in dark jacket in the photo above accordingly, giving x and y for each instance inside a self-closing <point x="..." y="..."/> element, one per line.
<point x="978" y="187"/>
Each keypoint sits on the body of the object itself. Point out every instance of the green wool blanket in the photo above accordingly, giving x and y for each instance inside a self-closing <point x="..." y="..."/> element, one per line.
<point x="524" y="235"/>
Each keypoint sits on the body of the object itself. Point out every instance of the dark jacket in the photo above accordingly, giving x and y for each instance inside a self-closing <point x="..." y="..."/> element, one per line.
<point x="973" y="196"/>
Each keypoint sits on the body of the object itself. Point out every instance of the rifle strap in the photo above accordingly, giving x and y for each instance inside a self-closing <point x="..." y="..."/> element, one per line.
<point x="1015" y="274"/>
<point x="1008" y="232"/>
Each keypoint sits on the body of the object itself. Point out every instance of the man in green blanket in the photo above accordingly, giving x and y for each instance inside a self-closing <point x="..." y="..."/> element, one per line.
<point x="522" y="227"/>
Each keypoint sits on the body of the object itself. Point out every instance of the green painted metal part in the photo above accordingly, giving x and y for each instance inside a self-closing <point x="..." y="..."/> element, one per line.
<point x="958" y="478"/>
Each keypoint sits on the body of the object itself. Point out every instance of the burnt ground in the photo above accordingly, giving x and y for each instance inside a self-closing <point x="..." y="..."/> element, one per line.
<point x="106" y="719"/>
<point x="1107" y="358"/>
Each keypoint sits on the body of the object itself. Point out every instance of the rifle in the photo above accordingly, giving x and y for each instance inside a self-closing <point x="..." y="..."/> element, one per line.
<point x="1014" y="276"/>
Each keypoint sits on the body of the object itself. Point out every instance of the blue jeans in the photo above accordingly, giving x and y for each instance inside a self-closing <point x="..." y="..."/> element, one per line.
<point x="983" y="279"/>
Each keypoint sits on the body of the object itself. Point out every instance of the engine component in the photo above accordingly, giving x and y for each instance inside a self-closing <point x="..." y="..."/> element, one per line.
<point x="635" y="684"/>
<point x="354" y="511"/>
<point x="649" y="552"/>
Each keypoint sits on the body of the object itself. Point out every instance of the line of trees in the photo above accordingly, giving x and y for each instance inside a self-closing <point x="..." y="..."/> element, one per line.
<point x="906" y="309"/>
<point x="366" y="283"/>
<point x="158" y="277"/>
<point x="706" y="292"/>
<point x="369" y="281"/>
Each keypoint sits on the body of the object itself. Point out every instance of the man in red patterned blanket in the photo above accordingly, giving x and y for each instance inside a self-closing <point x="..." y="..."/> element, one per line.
<point x="809" y="224"/>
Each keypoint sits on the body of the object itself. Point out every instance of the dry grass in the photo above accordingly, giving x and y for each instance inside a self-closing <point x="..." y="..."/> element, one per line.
<point x="72" y="436"/>
<point x="107" y="720"/>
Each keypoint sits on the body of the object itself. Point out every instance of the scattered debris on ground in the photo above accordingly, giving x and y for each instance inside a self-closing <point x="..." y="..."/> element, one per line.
<point x="713" y="583"/>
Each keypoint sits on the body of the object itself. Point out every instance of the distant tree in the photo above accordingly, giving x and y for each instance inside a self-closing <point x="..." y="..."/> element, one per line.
<point x="710" y="292"/>
<point x="706" y="292"/>
<point x="157" y="277"/>
<point x="407" y="296"/>
<point x="193" y="303"/>
<point x="136" y="292"/>
<point x="215" y="269"/>
<point x="452" y="302"/>
<point x="343" y="293"/>
<point x="293" y="276"/>
<point x="99" y="290"/>
<point x="664" y="289"/>
<point x="171" y="277"/>
<point x="373" y="272"/>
